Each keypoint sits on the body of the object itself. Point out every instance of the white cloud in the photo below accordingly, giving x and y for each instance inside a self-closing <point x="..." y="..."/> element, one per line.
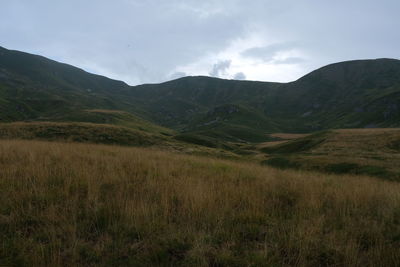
<point x="282" y="66"/>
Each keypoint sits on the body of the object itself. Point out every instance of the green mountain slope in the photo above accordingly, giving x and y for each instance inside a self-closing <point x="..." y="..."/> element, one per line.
<point x="237" y="123"/>
<point x="353" y="94"/>
<point x="177" y="102"/>
<point x="33" y="87"/>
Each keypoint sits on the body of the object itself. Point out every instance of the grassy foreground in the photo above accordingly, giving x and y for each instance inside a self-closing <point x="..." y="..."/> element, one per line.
<point x="85" y="205"/>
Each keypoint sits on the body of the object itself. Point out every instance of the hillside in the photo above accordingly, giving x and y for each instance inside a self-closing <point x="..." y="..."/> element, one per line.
<point x="176" y="103"/>
<point x="79" y="132"/>
<point x="97" y="133"/>
<point x="33" y="87"/>
<point x="116" y="117"/>
<point x="373" y="152"/>
<point x="89" y="205"/>
<point x="353" y="94"/>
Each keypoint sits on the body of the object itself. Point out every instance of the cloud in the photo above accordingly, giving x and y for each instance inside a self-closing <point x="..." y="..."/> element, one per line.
<point x="146" y="41"/>
<point x="177" y="75"/>
<point x="140" y="42"/>
<point x="290" y="60"/>
<point x="239" y="76"/>
<point x="220" y="68"/>
<point x="267" y="53"/>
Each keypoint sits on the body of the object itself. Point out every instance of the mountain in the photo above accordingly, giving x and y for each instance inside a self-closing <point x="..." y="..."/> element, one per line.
<point x="223" y="109"/>
<point x="177" y="100"/>
<point x="33" y="87"/>
<point x="352" y="94"/>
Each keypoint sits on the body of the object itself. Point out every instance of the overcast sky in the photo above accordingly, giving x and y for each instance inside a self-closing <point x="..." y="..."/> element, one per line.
<point x="148" y="41"/>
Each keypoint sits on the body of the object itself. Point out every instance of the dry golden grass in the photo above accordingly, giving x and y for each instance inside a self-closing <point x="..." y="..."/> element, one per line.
<point x="271" y="143"/>
<point x="371" y="147"/>
<point x="288" y="136"/>
<point x="353" y="141"/>
<point x="285" y="137"/>
<point x="86" y="205"/>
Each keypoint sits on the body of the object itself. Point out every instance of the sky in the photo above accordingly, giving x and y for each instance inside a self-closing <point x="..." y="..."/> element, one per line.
<point x="151" y="41"/>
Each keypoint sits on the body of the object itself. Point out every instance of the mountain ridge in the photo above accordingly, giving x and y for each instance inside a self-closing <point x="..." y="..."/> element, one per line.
<point x="355" y="93"/>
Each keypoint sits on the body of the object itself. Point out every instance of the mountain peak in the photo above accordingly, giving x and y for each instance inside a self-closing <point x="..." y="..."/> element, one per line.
<point x="379" y="72"/>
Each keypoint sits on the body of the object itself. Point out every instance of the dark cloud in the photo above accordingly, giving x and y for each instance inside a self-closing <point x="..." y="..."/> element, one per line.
<point x="219" y="69"/>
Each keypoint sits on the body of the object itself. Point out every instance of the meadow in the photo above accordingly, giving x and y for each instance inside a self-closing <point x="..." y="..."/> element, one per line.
<point x="69" y="204"/>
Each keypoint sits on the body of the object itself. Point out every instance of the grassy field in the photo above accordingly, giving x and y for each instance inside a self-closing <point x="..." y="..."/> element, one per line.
<point x="85" y="205"/>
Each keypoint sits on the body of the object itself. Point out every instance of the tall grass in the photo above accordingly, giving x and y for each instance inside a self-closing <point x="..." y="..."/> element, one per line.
<point x="85" y="205"/>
